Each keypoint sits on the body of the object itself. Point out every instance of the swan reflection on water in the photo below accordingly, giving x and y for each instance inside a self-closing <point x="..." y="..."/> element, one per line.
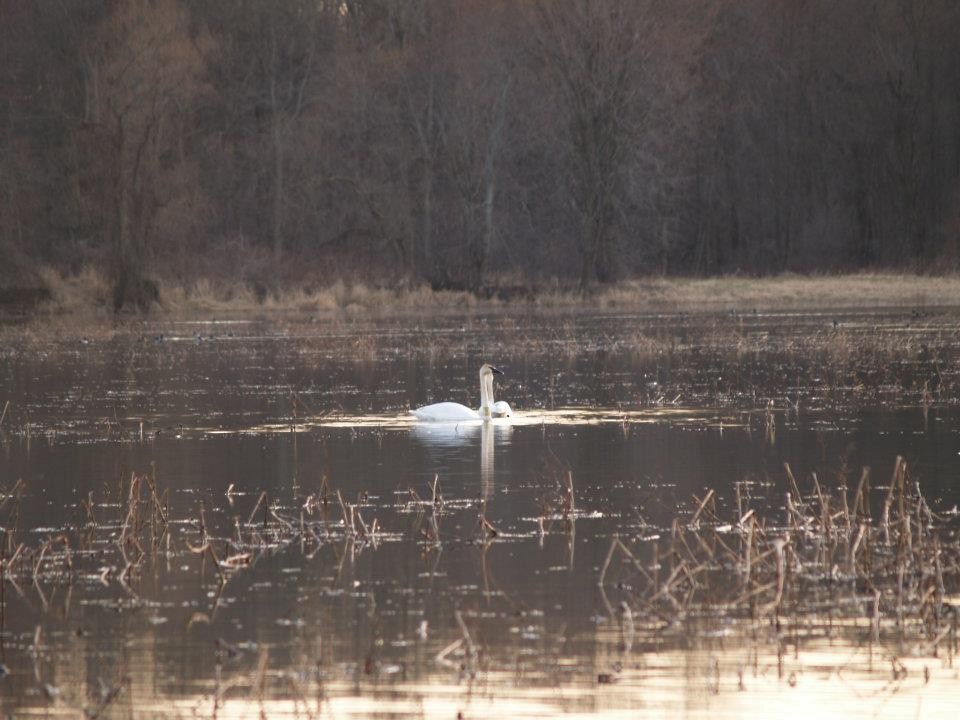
<point x="444" y="437"/>
<point x="460" y="434"/>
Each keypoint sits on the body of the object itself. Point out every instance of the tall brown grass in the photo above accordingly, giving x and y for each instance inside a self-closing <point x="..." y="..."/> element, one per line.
<point x="88" y="293"/>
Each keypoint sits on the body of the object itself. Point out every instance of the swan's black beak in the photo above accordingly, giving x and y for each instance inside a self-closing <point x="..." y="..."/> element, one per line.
<point x="495" y="371"/>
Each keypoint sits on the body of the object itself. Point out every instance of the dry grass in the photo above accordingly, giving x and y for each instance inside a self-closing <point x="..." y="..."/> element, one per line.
<point x="784" y="292"/>
<point x="87" y="294"/>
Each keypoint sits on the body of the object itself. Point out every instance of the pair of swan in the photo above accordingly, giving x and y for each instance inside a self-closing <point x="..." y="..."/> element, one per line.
<point x="450" y="411"/>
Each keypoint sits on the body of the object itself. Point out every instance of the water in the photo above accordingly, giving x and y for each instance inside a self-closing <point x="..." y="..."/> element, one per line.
<point x="487" y="599"/>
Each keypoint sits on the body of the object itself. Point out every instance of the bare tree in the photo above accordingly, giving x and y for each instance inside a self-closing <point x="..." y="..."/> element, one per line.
<point x="142" y="68"/>
<point x="594" y="49"/>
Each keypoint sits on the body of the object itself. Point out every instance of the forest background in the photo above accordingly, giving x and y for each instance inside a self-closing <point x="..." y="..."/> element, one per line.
<point x="474" y="145"/>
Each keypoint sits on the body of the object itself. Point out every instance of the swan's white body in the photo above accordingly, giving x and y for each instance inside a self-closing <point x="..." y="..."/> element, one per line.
<point x="455" y="412"/>
<point x="439" y="412"/>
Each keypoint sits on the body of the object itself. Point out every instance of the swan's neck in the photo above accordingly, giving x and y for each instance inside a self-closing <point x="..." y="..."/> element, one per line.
<point x="486" y="395"/>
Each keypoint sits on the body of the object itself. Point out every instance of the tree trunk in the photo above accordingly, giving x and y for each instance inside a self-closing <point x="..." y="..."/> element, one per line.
<point x="276" y="136"/>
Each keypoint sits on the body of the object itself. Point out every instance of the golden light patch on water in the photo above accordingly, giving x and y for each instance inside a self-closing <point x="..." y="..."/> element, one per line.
<point x="822" y="680"/>
<point x="570" y="416"/>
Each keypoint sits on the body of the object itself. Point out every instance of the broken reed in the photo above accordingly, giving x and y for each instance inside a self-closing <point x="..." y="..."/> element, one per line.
<point x="826" y="557"/>
<point x="139" y="528"/>
<point x="134" y="529"/>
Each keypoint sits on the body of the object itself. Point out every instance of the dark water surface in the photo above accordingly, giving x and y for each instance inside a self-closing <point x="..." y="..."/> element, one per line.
<point x="421" y="609"/>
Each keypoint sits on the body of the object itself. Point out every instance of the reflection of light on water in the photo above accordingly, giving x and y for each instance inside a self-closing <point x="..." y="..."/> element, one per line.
<point x="446" y="434"/>
<point x="460" y="434"/>
<point x="487" y="443"/>
<point x="819" y="681"/>
<point x="212" y="322"/>
<point x="454" y="433"/>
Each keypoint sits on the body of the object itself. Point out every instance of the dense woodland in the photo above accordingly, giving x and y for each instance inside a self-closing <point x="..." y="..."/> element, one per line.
<point x="461" y="143"/>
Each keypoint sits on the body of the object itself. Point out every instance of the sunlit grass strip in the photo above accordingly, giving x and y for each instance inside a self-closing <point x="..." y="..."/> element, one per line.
<point x="88" y="293"/>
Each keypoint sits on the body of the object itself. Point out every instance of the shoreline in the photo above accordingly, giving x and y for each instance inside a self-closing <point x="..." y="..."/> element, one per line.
<point x="85" y="298"/>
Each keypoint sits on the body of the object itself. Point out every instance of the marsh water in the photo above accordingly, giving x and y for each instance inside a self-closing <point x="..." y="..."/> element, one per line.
<point x="386" y="568"/>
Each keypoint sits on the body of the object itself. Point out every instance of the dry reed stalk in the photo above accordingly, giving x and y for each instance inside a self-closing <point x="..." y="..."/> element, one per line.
<point x="416" y="499"/>
<point x="748" y="553"/>
<point x="571" y="504"/>
<point x="260" y="679"/>
<point x="16" y="555"/>
<point x="855" y="546"/>
<point x="130" y="517"/>
<point x="774" y="605"/>
<point x="606" y="562"/>
<point x="665" y="588"/>
<point x="824" y="500"/>
<point x="202" y="522"/>
<point x="792" y="514"/>
<point x="286" y="523"/>
<point x="441" y="657"/>
<point x="237" y="561"/>
<point x="467" y="640"/>
<point x="256" y="507"/>
<point x="207" y="550"/>
<point x="347" y="517"/>
<point x="88" y="506"/>
<point x="486" y="528"/>
<point x="888" y="502"/>
<point x="12" y="493"/>
<point x="324" y="491"/>
<point x="875" y="621"/>
<point x="702" y="504"/>
<point x="770" y="425"/>
<point x="864" y="509"/>
<point x="3" y="415"/>
<point x="154" y="497"/>
<point x="67" y="555"/>
<point x="434" y="527"/>
<point x="845" y="511"/>
<point x="355" y="513"/>
<point x="794" y="488"/>
<point x="627" y="627"/>
<point x="39" y="562"/>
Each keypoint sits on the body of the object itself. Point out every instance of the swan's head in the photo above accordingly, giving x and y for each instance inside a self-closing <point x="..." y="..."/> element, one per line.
<point x="501" y="409"/>
<point x="488" y="370"/>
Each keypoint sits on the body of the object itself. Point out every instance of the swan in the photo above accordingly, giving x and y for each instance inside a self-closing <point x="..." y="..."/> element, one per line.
<point x="450" y="411"/>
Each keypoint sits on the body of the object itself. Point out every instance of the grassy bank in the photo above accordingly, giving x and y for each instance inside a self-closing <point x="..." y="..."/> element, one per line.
<point x="87" y="294"/>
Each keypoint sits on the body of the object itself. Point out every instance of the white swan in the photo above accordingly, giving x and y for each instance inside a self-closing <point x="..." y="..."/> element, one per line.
<point x="451" y="412"/>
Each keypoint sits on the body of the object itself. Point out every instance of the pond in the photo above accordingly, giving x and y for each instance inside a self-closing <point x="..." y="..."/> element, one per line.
<point x="240" y="518"/>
